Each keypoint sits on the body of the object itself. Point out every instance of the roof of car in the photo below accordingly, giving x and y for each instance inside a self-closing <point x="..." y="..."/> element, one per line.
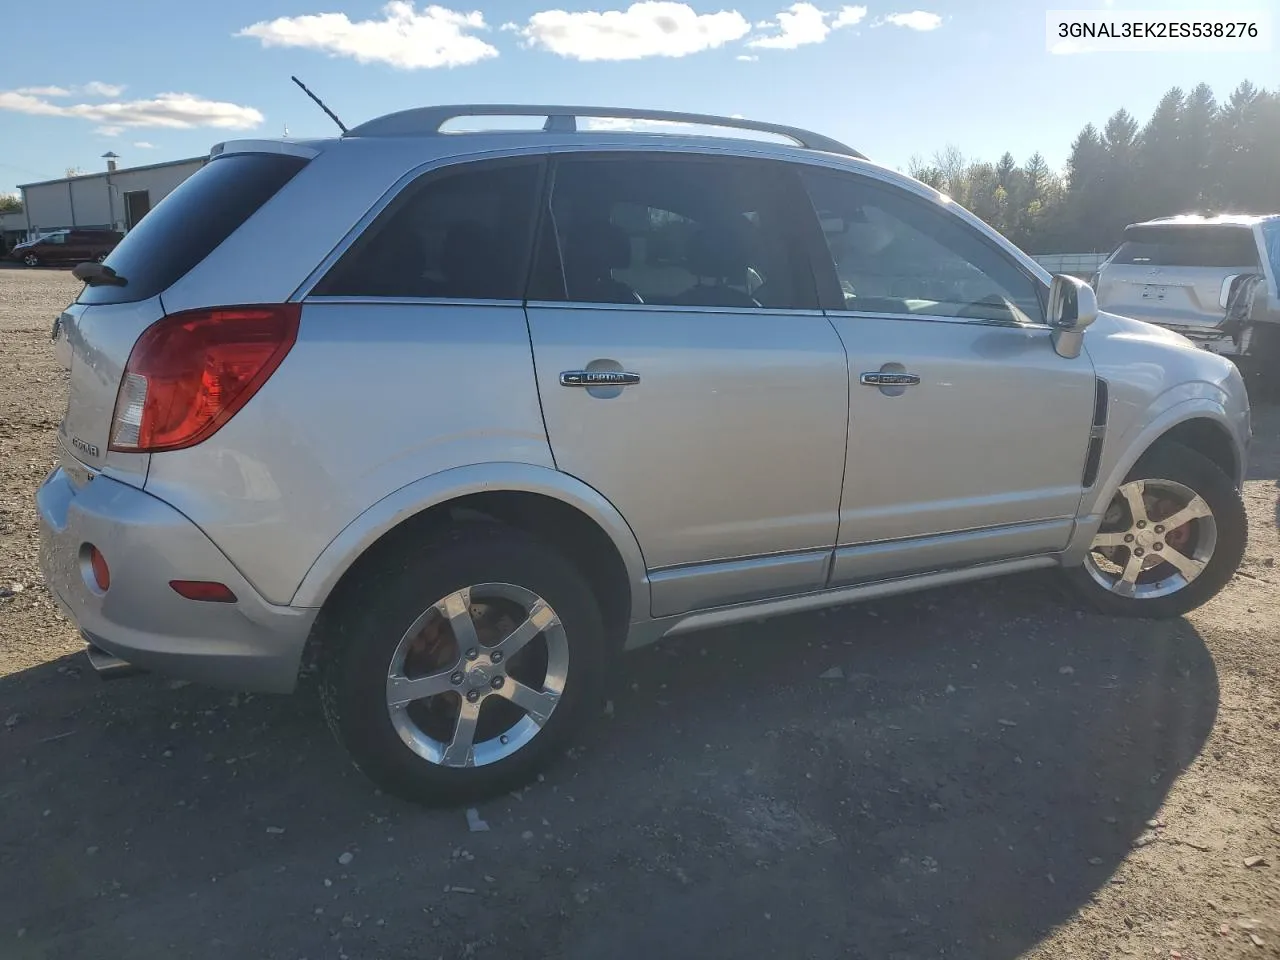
<point x="1221" y="219"/>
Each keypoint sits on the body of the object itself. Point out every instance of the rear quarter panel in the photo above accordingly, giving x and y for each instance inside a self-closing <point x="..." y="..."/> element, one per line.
<point x="372" y="397"/>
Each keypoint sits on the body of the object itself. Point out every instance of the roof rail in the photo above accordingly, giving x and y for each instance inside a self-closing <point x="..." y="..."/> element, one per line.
<point x="561" y="119"/>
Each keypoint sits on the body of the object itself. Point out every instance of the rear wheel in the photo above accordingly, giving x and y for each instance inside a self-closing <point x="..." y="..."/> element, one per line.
<point x="1171" y="539"/>
<point x="457" y="672"/>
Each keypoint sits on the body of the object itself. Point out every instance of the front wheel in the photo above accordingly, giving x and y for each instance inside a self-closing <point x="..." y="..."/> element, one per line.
<point x="31" y="260"/>
<point x="458" y="669"/>
<point x="1171" y="539"/>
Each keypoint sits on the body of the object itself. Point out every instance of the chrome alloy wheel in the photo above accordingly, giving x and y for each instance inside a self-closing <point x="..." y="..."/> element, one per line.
<point x="477" y="676"/>
<point x="1156" y="537"/>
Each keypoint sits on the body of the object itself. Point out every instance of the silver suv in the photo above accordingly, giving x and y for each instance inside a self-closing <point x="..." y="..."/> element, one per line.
<point x="1214" y="279"/>
<point x="459" y="418"/>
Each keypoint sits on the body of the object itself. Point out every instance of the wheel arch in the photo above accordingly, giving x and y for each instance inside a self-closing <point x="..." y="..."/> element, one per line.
<point x="559" y="509"/>
<point x="1202" y="424"/>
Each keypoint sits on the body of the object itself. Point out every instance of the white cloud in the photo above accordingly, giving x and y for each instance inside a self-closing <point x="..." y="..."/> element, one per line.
<point x="803" y="23"/>
<point x="798" y="25"/>
<point x="144" y="145"/>
<point x="96" y="88"/>
<point x="404" y="37"/>
<point x="174" y="110"/>
<point x="747" y="58"/>
<point x="652" y="28"/>
<point x="849" y="17"/>
<point x="109" y="131"/>
<point x="43" y="91"/>
<point x="915" y="20"/>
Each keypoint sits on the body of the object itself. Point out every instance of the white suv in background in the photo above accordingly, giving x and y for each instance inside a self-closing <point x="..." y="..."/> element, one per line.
<point x="1213" y="279"/>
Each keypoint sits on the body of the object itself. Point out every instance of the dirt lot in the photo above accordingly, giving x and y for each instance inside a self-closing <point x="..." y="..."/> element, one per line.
<point x="995" y="775"/>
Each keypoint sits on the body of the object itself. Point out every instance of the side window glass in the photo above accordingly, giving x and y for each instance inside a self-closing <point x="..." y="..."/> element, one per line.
<point x="56" y="238"/>
<point x="896" y="254"/>
<point x="463" y="234"/>
<point x="673" y="233"/>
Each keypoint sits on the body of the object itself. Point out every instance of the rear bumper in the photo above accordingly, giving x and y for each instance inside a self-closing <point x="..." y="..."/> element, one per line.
<point x="246" y="645"/>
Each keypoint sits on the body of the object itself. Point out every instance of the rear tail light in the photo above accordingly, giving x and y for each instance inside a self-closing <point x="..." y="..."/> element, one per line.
<point x="191" y="372"/>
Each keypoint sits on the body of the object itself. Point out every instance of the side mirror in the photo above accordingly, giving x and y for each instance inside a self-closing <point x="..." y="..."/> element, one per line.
<point x="1072" y="307"/>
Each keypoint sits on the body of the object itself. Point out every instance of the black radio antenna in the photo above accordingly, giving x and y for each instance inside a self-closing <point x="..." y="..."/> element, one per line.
<point x="320" y="103"/>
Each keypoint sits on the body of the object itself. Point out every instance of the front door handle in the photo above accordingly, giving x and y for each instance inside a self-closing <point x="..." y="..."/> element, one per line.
<point x="882" y="378"/>
<point x="598" y="378"/>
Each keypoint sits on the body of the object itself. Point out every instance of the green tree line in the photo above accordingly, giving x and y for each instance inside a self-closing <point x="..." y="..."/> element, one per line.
<point x="1193" y="155"/>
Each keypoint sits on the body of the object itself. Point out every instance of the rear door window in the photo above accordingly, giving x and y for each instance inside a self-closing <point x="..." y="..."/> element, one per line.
<point x="1187" y="246"/>
<point x="672" y="231"/>
<point x="461" y="233"/>
<point x="190" y="222"/>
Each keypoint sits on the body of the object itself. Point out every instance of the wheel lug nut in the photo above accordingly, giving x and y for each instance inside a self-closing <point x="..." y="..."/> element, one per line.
<point x="456" y="678"/>
<point x="1159" y="529"/>
<point x="496" y="683"/>
<point x="473" y="696"/>
<point x="1142" y="524"/>
<point x="495" y="657"/>
<point x="1157" y="546"/>
<point x="1128" y="538"/>
<point x="472" y="654"/>
<point x="1138" y="552"/>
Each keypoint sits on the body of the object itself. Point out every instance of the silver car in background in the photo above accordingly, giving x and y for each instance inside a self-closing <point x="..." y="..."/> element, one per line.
<point x="1213" y="279"/>
<point x="458" y="418"/>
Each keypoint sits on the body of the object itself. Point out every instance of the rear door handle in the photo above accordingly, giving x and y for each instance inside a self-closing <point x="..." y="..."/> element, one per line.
<point x="882" y="378"/>
<point x="598" y="378"/>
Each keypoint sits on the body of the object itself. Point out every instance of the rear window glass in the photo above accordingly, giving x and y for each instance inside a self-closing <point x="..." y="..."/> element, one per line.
<point x="1206" y="246"/>
<point x="189" y="223"/>
<point x="459" y="234"/>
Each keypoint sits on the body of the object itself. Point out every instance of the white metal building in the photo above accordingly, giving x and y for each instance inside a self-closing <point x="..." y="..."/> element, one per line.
<point x="115" y="199"/>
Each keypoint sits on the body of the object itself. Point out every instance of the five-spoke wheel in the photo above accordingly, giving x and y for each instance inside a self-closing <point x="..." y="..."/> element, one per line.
<point x="478" y="675"/>
<point x="457" y="668"/>
<point x="1170" y="539"/>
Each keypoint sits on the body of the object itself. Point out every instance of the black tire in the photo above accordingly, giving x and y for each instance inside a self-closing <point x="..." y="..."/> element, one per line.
<point x="1172" y="461"/>
<point x="31" y="260"/>
<point x="358" y="639"/>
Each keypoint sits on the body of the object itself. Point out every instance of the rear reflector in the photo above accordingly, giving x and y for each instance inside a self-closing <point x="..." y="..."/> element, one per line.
<point x="101" y="573"/>
<point x="207" y="590"/>
<point x="191" y="372"/>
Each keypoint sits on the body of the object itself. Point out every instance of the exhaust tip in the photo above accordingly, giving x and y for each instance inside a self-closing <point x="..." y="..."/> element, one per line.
<point x="108" y="666"/>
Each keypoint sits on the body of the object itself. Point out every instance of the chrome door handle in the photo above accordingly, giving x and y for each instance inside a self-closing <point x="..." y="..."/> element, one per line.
<point x="882" y="379"/>
<point x="598" y="378"/>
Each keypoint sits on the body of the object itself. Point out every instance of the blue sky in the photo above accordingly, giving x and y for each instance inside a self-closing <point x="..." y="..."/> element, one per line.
<point x="891" y="78"/>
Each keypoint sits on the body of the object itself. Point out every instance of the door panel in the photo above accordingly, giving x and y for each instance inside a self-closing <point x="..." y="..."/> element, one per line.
<point x="967" y="432"/>
<point x="995" y="432"/>
<point x="687" y="373"/>
<point x="731" y="445"/>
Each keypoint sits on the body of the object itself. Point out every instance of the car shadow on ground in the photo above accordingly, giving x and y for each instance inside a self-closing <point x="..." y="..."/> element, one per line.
<point x="949" y="774"/>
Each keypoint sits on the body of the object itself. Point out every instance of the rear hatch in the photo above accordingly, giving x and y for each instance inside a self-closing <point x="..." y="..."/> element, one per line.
<point x="1176" y="275"/>
<point x="94" y="337"/>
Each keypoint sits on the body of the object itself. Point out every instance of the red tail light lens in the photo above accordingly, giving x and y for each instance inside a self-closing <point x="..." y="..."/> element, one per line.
<point x="191" y="372"/>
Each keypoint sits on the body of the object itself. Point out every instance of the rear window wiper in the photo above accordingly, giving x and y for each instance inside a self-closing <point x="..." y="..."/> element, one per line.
<point x="98" y="275"/>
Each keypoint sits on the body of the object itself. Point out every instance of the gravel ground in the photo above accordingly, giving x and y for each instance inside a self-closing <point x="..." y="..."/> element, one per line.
<point x="983" y="773"/>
